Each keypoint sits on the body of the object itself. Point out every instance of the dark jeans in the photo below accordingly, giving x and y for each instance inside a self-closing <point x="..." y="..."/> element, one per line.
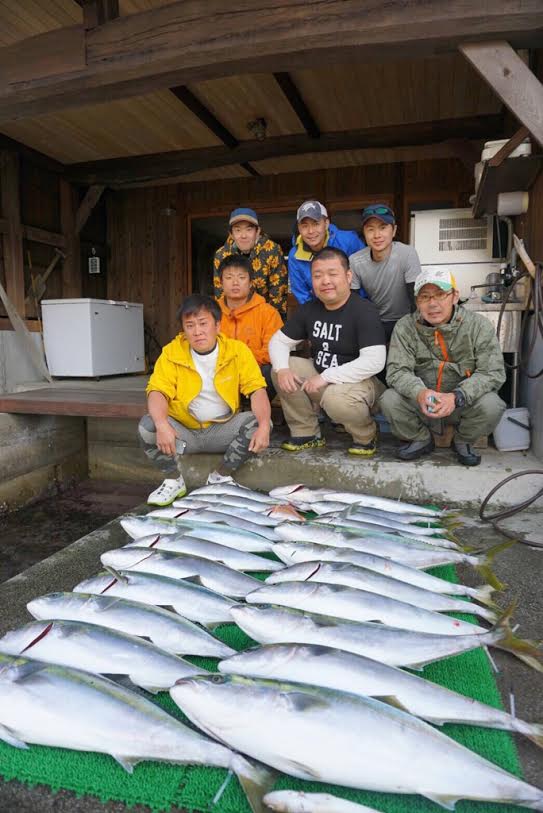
<point x="266" y="370"/>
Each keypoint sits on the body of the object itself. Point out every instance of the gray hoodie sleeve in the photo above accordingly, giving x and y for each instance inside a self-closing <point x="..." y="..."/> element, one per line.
<point x="489" y="372"/>
<point x="401" y="360"/>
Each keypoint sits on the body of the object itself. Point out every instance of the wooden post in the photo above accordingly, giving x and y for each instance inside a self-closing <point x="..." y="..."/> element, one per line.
<point x="511" y="79"/>
<point x="71" y="267"/>
<point x="13" y="235"/>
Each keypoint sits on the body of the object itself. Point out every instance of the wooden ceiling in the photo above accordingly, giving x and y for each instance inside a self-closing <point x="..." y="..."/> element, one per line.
<point x="339" y="97"/>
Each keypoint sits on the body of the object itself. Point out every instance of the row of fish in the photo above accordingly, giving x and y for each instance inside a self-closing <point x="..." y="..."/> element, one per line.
<point x="346" y="602"/>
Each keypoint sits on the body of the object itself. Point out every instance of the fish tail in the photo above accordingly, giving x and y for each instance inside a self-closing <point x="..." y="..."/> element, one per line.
<point x="483" y="595"/>
<point x="484" y="563"/>
<point x="256" y="780"/>
<point x="534" y="732"/>
<point x="523" y="649"/>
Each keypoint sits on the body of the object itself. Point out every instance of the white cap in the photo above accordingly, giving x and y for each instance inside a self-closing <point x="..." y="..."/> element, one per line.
<point x="312" y="209"/>
<point x="435" y="276"/>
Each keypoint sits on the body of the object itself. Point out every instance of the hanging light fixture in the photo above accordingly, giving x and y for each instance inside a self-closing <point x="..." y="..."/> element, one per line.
<point x="258" y="128"/>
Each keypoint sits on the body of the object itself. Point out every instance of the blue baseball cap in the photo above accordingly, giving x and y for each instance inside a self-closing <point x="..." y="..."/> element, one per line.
<point x="243" y="213"/>
<point x="381" y="211"/>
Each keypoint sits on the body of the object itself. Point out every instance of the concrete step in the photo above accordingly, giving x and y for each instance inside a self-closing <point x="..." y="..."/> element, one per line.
<point x="114" y="454"/>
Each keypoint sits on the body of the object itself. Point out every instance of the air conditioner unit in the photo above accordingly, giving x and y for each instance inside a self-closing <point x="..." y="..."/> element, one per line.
<point x="451" y="236"/>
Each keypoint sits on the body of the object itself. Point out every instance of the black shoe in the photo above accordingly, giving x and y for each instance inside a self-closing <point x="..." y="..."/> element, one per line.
<point x="416" y="449"/>
<point x="465" y="454"/>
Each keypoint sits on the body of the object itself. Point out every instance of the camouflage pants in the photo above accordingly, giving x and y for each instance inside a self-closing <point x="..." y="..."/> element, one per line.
<point x="231" y="437"/>
<point x="407" y="421"/>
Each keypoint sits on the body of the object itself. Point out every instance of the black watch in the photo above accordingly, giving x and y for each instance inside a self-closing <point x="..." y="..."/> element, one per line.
<point x="459" y="399"/>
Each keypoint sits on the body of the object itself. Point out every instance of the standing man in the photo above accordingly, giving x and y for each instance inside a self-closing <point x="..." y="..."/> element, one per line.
<point x="444" y="363"/>
<point x="193" y="398"/>
<point x="246" y="316"/>
<point x="386" y="269"/>
<point x="347" y="351"/>
<point x="266" y="257"/>
<point x="315" y="232"/>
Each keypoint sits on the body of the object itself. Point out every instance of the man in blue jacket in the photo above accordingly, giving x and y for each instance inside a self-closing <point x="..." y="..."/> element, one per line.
<point x="315" y="232"/>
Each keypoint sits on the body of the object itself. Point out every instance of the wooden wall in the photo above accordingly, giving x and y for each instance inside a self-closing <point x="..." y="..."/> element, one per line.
<point x="40" y="208"/>
<point x="150" y="249"/>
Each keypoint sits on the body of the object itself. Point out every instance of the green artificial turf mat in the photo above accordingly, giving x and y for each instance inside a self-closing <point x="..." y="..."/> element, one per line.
<point x="162" y="786"/>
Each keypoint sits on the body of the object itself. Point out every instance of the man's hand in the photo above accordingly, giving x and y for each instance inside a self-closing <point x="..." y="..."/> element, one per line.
<point x="424" y="400"/>
<point x="260" y="439"/>
<point x="441" y="407"/>
<point x="165" y="438"/>
<point x="445" y="405"/>
<point x="287" y="381"/>
<point x="314" y="384"/>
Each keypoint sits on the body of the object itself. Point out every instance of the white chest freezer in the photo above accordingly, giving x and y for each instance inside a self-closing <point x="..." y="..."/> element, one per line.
<point x="93" y="337"/>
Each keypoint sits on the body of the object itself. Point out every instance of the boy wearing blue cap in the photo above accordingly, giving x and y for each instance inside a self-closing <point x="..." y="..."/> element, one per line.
<point x="386" y="269"/>
<point x="269" y="273"/>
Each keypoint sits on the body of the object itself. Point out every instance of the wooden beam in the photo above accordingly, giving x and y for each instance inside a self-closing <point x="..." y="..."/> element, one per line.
<point x="143" y="168"/>
<point x="93" y="195"/>
<point x="48" y="238"/>
<point x="179" y="43"/>
<point x="98" y="12"/>
<point x="71" y="266"/>
<point x="294" y="98"/>
<point x="207" y="118"/>
<point x="35" y="157"/>
<point x="250" y="169"/>
<point x="466" y="151"/>
<point x="13" y="237"/>
<point x="515" y="141"/>
<point x="511" y="80"/>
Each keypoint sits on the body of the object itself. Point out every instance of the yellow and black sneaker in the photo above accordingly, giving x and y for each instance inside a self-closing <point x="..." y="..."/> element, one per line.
<point x="300" y="443"/>
<point x="364" y="449"/>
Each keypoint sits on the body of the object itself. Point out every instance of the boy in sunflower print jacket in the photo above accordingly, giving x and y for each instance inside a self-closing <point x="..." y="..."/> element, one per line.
<point x="269" y="277"/>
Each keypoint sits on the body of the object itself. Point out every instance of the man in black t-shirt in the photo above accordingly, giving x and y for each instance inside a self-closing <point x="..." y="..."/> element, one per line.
<point x="347" y="350"/>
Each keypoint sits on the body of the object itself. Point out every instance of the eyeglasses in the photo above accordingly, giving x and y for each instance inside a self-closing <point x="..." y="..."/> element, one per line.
<point x="439" y="297"/>
<point x="378" y="210"/>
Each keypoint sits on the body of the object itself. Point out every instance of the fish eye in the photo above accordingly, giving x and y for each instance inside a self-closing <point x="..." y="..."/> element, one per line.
<point x="217" y="678"/>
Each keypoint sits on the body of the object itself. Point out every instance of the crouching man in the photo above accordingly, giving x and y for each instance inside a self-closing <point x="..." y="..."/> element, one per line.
<point x="347" y="350"/>
<point x="193" y="398"/>
<point x="444" y="364"/>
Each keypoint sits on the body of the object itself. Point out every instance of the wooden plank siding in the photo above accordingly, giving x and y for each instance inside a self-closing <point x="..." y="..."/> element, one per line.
<point x="151" y="252"/>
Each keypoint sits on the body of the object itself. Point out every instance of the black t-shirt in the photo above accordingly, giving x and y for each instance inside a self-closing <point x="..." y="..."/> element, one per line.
<point x="336" y="336"/>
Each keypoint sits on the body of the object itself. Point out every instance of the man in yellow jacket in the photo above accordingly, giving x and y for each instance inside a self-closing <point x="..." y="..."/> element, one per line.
<point x="193" y="398"/>
<point x="245" y="314"/>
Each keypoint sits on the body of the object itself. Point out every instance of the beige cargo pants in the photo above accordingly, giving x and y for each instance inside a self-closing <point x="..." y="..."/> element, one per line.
<point x="346" y="404"/>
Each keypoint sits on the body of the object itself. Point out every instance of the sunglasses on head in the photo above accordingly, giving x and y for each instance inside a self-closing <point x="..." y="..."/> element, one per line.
<point x="378" y="210"/>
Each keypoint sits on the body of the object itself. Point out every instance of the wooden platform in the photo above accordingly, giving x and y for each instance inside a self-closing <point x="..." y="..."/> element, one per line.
<point x="98" y="403"/>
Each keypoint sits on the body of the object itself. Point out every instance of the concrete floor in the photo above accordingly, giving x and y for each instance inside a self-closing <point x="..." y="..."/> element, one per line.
<point x="520" y="566"/>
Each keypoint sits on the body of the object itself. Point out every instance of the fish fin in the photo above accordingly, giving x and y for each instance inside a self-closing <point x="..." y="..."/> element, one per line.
<point x="255" y="779"/>
<point x="126" y="762"/>
<point x="194" y="579"/>
<point x="147" y="686"/>
<point x="391" y="700"/>
<point x="121" y="577"/>
<point x="297" y="768"/>
<point x="300" y="701"/>
<point x="448" y="802"/>
<point x="523" y="649"/>
<point x="7" y="735"/>
<point x="485" y="561"/>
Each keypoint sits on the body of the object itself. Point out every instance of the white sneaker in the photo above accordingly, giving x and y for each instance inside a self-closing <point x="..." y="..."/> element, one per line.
<point x="167" y="492"/>
<point x="215" y="478"/>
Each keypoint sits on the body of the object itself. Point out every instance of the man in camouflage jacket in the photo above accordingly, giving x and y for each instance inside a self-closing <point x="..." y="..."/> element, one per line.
<point x="269" y="273"/>
<point x="444" y="366"/>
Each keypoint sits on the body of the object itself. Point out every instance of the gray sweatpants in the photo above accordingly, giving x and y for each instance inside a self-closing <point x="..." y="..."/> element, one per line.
<point x="231" y="437"/>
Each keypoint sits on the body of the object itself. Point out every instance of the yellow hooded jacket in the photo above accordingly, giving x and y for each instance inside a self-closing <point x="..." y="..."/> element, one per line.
<point x="176" y="377"/>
